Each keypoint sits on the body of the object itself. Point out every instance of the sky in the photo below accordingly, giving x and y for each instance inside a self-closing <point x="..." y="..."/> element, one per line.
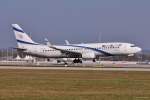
<point x="78" y="21"/>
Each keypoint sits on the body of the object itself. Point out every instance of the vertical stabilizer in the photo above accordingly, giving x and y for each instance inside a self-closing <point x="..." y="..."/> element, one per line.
<point x="21" y="37"/>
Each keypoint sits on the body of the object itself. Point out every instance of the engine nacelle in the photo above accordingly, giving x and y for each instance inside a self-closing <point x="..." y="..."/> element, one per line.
<point x="88" y="55"/>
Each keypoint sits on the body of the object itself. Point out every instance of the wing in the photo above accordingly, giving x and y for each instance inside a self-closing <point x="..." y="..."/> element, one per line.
<point x="68" y="53"/>
<point x="20" y="49"/>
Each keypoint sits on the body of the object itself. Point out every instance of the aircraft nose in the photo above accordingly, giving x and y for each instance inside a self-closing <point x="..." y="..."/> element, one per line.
<point x="139" y="49"/>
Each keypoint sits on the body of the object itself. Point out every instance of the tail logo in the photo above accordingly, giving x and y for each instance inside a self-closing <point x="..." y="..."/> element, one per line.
<point x="20" y="36"/>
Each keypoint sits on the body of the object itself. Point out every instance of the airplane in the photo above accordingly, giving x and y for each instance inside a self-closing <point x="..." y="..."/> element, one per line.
<point x="77" y="52"/>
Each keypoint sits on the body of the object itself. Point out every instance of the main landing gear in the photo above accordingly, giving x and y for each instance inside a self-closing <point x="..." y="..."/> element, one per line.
<point x="94" y="60"/>
<point x="77" y="61"/>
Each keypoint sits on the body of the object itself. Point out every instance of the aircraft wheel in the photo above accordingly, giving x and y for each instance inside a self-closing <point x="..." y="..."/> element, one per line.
<point x="94" y="60"/>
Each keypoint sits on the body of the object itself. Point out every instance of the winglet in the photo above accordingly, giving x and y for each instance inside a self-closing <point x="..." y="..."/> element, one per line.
<point x="67" y="42"/>
<point x="47" y="42"/>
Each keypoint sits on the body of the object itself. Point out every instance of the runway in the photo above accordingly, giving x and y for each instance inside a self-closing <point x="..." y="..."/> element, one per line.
<point x="76" y="68"/>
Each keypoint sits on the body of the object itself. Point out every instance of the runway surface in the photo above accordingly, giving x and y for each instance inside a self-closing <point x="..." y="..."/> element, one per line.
<point x="76" y="68"/>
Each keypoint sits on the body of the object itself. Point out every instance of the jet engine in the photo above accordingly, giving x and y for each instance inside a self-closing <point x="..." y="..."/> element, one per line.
<point x="88" y="55"/>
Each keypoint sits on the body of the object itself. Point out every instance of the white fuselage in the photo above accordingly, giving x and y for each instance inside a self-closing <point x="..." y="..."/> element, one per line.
<point x="89" y="50"/>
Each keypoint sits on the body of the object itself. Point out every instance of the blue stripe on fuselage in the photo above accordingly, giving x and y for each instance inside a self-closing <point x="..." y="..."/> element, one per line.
<point x="94" y="49"/>
<point x="18" y="30"/>
<point x="24" y="42"/>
